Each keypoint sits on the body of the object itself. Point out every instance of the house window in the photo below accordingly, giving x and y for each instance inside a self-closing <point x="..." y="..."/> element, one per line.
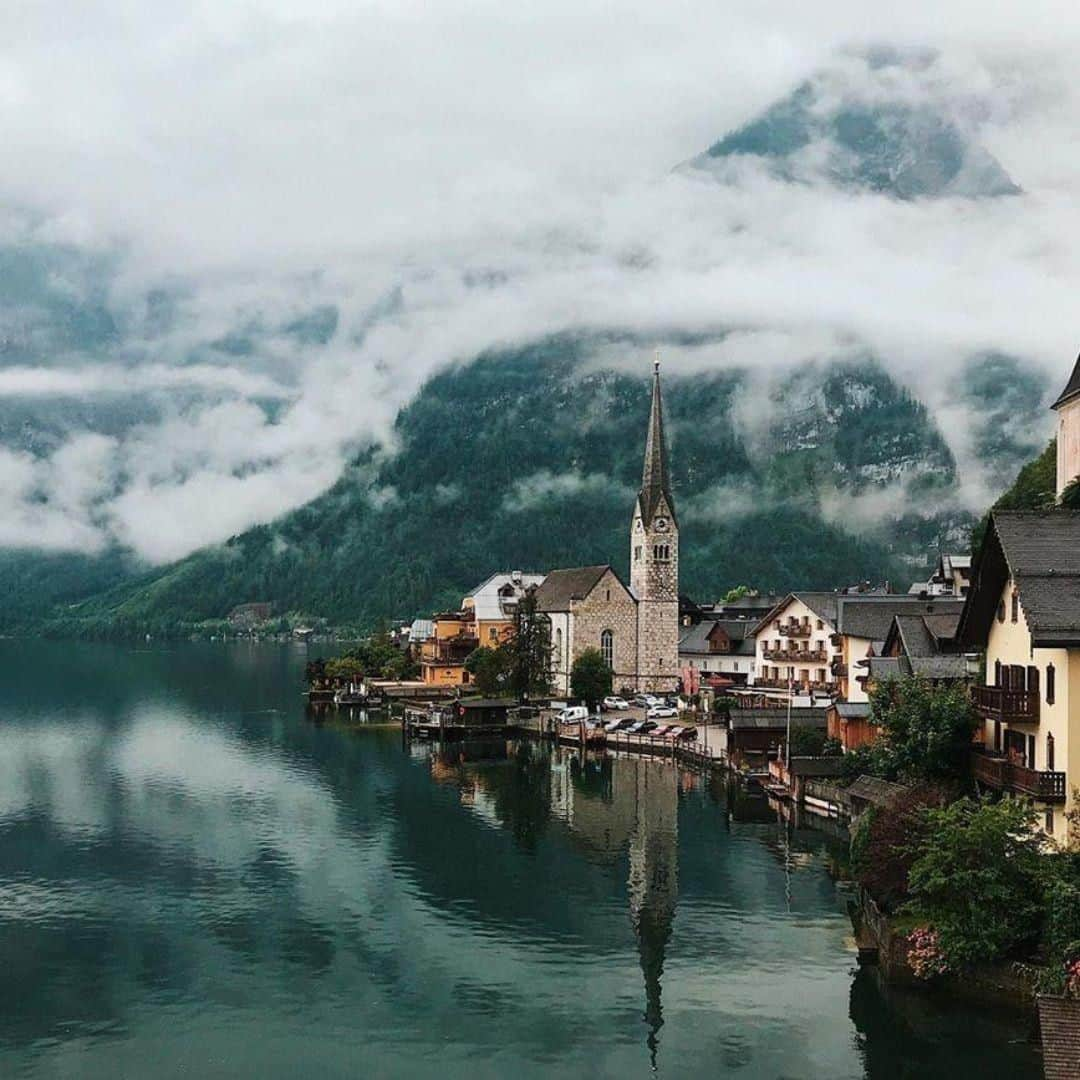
<point x="1001" y="611"/>
<point x="820" y="625"/>
<point x="1049" y="753"/>
<point x="1049" y="684"/>
<point x="997" y="672"/>
<point x="1033" y="680"/>
<point x="1048" y="822"/>
<point x="607" y="647"/>
<point x="1015" y="610"/>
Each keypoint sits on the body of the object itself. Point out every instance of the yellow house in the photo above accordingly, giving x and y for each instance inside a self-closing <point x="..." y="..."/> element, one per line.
<point x="443" y="654"/>
<point x="1024" y="610"/>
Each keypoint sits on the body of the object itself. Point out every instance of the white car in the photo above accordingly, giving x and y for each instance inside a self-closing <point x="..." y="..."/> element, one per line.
<point x="574" y="714"/>
<point x="662" y="712"/>
<point x="613" y="703"/>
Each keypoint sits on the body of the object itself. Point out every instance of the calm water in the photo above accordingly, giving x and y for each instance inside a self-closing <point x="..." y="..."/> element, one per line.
<point x="196" y="880"/>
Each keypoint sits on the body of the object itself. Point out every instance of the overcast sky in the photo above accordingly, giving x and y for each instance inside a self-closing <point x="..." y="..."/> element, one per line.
<point x="259" y="160"/>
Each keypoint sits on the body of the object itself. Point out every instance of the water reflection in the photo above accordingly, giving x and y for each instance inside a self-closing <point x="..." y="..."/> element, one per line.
<point x="195" y="880"/>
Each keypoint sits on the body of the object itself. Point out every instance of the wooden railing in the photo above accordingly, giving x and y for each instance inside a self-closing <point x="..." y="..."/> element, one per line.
<point x="999" y="773"/>
<point x="794" y="629"/>
<point x="997" y="703"/>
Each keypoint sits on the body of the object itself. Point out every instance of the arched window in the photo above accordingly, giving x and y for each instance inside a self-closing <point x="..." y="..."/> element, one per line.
<point x="1049" y="684"/>
<point x="607" y="647"/>
<point x="1049" y="753"/>
<point x="558" y="646"/>
<point x="1015" y="606"/>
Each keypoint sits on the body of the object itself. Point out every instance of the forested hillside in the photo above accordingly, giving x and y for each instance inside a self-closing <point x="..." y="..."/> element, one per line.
<point x="531" y="458"/>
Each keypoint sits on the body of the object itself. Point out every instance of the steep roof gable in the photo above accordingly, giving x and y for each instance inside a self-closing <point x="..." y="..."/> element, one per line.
<point x="562" y="587"/>
<point x="1040" y="551"/>
<point x="1072" y="387"/>
<point x="655" y="480"/>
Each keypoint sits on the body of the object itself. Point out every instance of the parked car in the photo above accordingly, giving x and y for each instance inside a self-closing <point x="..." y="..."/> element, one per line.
<point x="612" y="725"/>
<point x="573" y="714"/>
<point x="641" y="727"/>
<point x="664" y="730"/>
<point x="614" y="703"/>
<point x="645" y="701"/>
<point x="661" y="712"/>
<point x="688" y="733"/>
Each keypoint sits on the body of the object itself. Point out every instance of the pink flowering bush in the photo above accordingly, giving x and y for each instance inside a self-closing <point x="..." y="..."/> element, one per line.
<point x="1072" y="979"/>
<point x="925" y="954"/>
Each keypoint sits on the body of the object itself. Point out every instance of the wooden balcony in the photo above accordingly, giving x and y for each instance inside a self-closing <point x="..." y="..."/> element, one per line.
<point x="778" y="654"/>
<point x="1012" y="706"/>
<point x="794" y="629"/>
<point x="999" y="773"/>
<point x="838" y="668"/>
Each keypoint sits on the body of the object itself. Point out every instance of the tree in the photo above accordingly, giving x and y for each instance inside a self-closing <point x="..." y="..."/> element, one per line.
<point x="812" y="742"/>
<point x="737" y="593"/>
<point x="1070" y="495"/>
<point x="490" y="669"/>
<point x="530" y="650"/>
<point x="590" y="677"/>
<point x="925" y="729"/>
<point x="975" y="877"/>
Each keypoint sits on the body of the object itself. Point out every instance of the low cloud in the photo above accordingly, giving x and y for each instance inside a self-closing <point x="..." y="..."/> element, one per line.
<point x="545" y="486"/>
<point x="230" y="180"/>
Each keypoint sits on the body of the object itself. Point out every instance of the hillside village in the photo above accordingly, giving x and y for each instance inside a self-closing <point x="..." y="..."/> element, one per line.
<point x="1004" y="627"/>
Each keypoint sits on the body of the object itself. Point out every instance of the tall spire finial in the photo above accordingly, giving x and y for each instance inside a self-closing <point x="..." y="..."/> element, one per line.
<point x="654" y="479"/>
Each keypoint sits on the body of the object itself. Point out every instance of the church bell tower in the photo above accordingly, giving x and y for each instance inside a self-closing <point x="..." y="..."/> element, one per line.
<point x="654" y="559"/>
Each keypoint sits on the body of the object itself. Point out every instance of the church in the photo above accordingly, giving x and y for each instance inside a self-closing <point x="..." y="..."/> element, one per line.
<point x="635" y="627"/>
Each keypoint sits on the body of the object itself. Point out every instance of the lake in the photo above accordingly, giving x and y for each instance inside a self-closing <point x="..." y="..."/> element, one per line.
<point x="198" y="880"/>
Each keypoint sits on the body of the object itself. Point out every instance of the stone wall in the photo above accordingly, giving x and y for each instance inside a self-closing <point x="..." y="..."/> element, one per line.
<point x="609" y="607"/>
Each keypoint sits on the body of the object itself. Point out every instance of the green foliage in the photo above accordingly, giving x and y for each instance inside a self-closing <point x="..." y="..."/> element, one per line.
<point x="1062" y="930"/>
<point x="1070" y="495"/>
<point x="345" y="667"/>
<point x="737" y="593"/>
<point x="975" y="877"/>
<point x="925" y="730"/>
<point x="590" y="678"/>
<point x="807" y="741"/>
<point x="490" y="669"/>
<point x="1033" y="489"/>
<point x="529" y="649"/>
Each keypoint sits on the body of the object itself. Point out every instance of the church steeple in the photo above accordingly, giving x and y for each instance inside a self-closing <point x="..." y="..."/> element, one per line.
<point x="655" y="482"/>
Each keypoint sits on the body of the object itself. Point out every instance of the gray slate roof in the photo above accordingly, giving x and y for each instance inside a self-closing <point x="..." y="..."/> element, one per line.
<point x="870" y="617"/>
<point x="1072" y="387"/>
<point x="562" y="586"/>
<point x="1041" y="552"/>
<point x="947" y="666"/>
<point x="873" y="790"/>
<point x="852" y="710"/>
<point x="694" y="640"/>
<point x="746" y="719"/>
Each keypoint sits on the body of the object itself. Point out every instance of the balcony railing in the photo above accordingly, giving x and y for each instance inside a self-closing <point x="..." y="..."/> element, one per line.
<point x="997" y="703"/>
<point x="777" y="654"/>
<point x="1001" y="774"/>
<point x="794" y="629"/>
<point x="838" y="668"/>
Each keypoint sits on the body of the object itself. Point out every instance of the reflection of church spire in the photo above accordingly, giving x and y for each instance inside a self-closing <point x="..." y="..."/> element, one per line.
<point x="653" y="882"/>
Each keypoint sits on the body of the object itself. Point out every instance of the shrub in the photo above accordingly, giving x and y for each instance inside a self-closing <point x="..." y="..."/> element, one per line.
<point x="925" y="954"/>
<point x="975" y="877"/>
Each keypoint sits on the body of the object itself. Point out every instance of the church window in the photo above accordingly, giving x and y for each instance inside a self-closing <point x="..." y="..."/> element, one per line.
<point x="607" y="594"/>
<point x="607" y="647"/>
<point x="637" y="553"/>
<point x="558" y="645"/>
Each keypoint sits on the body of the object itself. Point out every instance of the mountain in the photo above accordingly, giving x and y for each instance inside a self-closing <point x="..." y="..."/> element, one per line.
<point x="857" y="130"/>
<point x="529" y="459"/>
<point x="528" y="456"/>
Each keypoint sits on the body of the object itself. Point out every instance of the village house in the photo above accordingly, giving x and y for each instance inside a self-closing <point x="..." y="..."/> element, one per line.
<point x="1024" y="610"/>
<point x="718" y="653"/>
<point x="442" y="655"/>
<point x="494" y="604"/>
<point x="951" y="577"/>
<point x="1067" y="407"/>
<point x="796" y="643"/>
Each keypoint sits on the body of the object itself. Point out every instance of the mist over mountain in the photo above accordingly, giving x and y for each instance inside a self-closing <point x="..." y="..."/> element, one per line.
<point x="370" y="442"/>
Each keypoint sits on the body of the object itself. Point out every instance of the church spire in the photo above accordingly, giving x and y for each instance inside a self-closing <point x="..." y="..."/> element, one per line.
<point x="654" y="477"/>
